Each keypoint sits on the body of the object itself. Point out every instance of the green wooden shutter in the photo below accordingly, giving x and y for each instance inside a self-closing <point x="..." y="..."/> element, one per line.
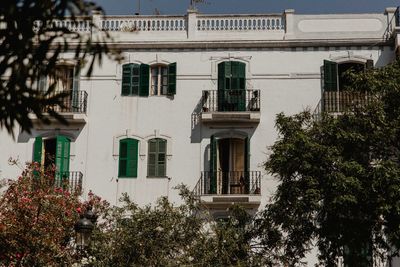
<point x="171" y="79"/>
<point x="123" y="155"/>
<point x="132" y="163"/>
<point x="234" y="75"/>
<point x="128" y="158"/>
<point x="37" y="150"/>
<point x="221" y="75"/>
<point x="330" y="76"/>
<point x="213" y="165"/>
<point x="369" y="64"/>
<point x="242" y="75"/>
<point x="135" y="79"/>
<point x="62" y="154"/>
<point x="237" y="99"/>
<point x="126" y="79"/>
<point x="144" y="80"/>
<point x="224" y="84"/>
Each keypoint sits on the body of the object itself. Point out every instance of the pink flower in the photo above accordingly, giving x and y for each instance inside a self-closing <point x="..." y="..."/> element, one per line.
<point x="58" y="189"/>
<point x="79" y="210"/>
<point x="25" y="200"/>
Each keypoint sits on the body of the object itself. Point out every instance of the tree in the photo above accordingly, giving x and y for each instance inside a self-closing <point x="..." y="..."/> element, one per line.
<point x="30" y="45"/>
<point x="339" y="178"/>
<point x="37" y="221"/>
<point x="169" y="235"/>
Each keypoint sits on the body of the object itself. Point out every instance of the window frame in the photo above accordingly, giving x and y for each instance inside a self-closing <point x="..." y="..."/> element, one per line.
<point x="161" y="87"/>
<point x="134" y="143"/>
<point x="72" y="72"/>
<point x="157" y="154"/>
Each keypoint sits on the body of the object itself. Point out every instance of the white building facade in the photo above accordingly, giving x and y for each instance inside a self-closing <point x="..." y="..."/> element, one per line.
<point x="195" y="101"/>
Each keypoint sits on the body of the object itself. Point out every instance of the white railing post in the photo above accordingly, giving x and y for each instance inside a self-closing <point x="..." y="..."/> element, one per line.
<point x="289" y="23"/>
<point x="191" y="25"/>
<point x="391" y="20"/>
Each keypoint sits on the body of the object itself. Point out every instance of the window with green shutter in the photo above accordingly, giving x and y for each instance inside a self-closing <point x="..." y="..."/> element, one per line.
<point x="157" y="164"/>
<point x="144" y="72"/>
<point x="231" y="86"/>
<point x="143" y="80"/>
<point x="128" y="158"/>
<point x="171" y="79"/>
<point x="62" y="154"/>
<point x="163" y="80"/>
<point x="130" y="79"/>
<point x="330" y="75"/>
<point x="335" y="75"/>
<point x="38" y="149"/>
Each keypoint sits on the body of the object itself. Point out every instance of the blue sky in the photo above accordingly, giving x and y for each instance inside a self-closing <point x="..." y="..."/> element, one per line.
<point x="128" y="7"/>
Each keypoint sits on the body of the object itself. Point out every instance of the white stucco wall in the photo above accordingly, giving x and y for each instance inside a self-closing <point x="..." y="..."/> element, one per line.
<point x="289" y="80"/>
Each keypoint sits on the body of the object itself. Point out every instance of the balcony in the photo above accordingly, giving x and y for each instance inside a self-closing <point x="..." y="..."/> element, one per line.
<point x="71" y="180"/>
<point x="219" y="190"/>
<point x="73" y="107"/>
<point x="231" y="106"/>
<point x="337" y="102"/>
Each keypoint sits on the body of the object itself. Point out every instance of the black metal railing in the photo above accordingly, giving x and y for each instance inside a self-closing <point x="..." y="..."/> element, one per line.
<point x="74" y="102"/>
<point x="71" y="180"/>
<point x="228" y="183"/>
<point x="342" y="101"/>
<point x="230" y="100"/>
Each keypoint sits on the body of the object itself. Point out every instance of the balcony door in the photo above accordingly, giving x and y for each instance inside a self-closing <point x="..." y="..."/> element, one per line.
<point x="335" y="78"/>
<point x="229" y="165"/>
<point x="64" y="80"/>
<point x="231" y="86"/>
<point x="53" y="152"/>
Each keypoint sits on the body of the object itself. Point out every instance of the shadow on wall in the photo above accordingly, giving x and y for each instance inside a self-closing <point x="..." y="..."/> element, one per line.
<point x="195" y="136"/>
<point x="206" y="156"/>
<point x="72" y="133"/>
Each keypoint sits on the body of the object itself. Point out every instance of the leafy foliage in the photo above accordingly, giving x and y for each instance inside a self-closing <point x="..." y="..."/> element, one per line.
<point x="340" y="178"/>
<point x="168" y="235"/>
<point x="30" y="45"/>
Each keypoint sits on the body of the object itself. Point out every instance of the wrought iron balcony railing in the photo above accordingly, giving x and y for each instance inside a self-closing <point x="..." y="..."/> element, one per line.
<point x="229" y="183"/>
<point x="230" y="100"/>
<point x="74" y="102"/>
<point x="342" y="101"/>
<point x="71" y="180"/>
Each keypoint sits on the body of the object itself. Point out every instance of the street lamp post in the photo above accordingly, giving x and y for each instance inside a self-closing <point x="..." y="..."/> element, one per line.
<point x="83" y="228"/>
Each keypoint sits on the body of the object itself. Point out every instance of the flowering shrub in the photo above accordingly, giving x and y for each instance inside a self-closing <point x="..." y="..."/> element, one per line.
<point x="37" y="221"/>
